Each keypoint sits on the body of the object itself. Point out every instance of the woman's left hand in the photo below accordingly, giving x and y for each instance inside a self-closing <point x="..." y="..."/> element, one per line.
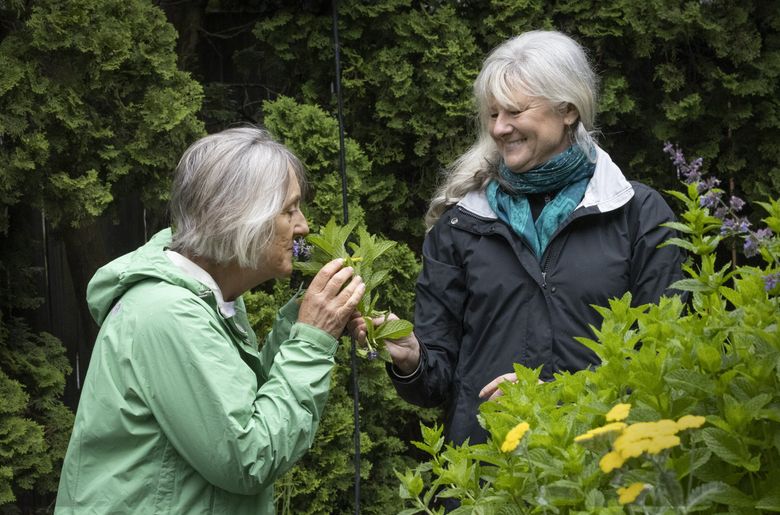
<point x="491" y="390"/>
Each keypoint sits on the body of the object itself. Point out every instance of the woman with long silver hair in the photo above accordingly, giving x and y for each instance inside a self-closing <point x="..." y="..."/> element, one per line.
<point x="533" y="225"/>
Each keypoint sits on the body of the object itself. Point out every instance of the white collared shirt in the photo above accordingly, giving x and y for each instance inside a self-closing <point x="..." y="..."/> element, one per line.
<point x="228" y="309"/>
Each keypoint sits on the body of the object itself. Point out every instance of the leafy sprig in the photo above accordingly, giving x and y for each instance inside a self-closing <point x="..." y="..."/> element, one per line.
<point x="332" y="242"/>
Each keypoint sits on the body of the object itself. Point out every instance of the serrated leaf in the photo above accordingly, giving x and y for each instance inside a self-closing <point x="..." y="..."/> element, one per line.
<point x="394" y="329"/>
<point x="692" y="285"/>
<point x="731" y="496"/>
<point x="704" y="495"/>
<point x="679" y="227"/>
<point x="729" y="448"/>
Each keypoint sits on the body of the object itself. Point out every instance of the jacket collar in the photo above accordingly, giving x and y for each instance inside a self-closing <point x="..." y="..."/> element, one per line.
<point x="607" y="190"/>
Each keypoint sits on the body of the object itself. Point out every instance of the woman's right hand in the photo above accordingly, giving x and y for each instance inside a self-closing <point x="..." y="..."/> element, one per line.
<point x="326" y="304"/>
<point x="405" y="352"/>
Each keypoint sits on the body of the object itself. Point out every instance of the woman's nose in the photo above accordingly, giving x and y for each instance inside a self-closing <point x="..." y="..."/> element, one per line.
<point x="501" y="125"/>
<point x="302" y="227"/>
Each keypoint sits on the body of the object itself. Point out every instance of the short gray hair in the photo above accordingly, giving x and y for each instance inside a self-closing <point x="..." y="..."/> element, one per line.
<point x="228" y="188"/>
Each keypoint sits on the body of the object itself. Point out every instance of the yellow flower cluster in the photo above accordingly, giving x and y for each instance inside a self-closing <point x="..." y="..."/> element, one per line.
<point x="514" y="436"/>
<point x="635" y="439"/>
<point x="614" y="427"/>
<point x="628" y="494"/>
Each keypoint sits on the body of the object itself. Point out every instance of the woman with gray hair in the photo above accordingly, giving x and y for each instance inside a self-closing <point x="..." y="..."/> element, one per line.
<point x="533" y="225"/>
<point x="182" y="411"/>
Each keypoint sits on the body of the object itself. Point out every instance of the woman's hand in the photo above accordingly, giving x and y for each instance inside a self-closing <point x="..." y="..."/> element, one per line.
<point x="405" y="352"/>
<point x="326" y="304"/>
<point x="490" y="391"/>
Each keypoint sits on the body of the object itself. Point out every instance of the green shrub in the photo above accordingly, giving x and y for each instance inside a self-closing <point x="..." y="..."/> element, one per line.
<point x="698" y="386"/>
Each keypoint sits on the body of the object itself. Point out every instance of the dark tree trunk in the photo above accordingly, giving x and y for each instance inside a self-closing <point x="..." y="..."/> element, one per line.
<point x="188" y="18"/>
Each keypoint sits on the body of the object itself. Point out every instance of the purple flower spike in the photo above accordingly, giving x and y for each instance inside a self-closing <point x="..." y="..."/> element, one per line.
<point x="709" y="200"/>
<point x="750" y="247"/>
<point x="301" y="250"/>
<point x="771" y="281"/>
<point x="736" y="203"/>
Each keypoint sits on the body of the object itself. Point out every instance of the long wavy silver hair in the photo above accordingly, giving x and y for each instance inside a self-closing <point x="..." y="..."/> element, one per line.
<point x="544" y="64"/>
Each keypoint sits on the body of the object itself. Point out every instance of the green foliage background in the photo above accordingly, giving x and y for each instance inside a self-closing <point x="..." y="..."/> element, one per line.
<point x="98" y="98"/>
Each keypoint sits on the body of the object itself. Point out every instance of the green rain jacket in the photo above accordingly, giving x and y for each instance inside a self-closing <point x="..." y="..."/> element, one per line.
<point x="180" y="411"/>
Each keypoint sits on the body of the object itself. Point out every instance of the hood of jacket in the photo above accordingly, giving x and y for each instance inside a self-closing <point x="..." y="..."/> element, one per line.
<point x="147" y="262"/>
<point x="607" y="190"/>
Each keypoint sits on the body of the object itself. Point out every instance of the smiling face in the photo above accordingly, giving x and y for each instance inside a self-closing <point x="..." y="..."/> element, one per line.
<point x="288" y="225"/>
<point x="530" y="131"/>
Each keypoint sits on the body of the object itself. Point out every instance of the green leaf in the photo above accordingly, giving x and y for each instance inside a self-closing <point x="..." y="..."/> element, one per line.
<point x="730" y="448"/>
<point x="393" y="329"/>
<point x="692" y="285"/>
<point x="704" y="495"/>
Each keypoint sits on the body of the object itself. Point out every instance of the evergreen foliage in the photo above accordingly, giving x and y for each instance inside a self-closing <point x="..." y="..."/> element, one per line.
<point x="702" y="73"/>
<point x="681" y="416"/>
<point x="92" y="107"/>
<point x="91" y="104"/>
<point x="323" y="481"/>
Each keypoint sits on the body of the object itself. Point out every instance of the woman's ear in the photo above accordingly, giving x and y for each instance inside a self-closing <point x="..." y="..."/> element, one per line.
<point x="570" y="114"/>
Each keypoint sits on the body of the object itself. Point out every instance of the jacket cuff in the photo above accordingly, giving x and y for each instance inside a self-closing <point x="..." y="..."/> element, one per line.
<point x="314" y="335"/>
<point x="290" y="310"/>
<point x="397" y="377"/>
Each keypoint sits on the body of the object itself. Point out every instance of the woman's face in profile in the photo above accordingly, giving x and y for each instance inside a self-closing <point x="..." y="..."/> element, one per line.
<point x="530" y="131"/>
<point x="288" y="225"/>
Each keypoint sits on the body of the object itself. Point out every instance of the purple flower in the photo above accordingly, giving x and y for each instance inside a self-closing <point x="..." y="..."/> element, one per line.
<point x="301" y="250"/>
<point x="736" y="204"/>
<point x="710" y="200"/>
<point x="372" y="355"/>
<point x="728" y="227"/>
<point x="750" y="247"/>
<point x="764" y="234"/>
<point x="721" y="213"/>
<point x="708" y="184"/>
<point x="771" y="281"/>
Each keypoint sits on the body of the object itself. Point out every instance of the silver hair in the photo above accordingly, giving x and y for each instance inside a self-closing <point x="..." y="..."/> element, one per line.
<point x="228" y="188"/>
<point x="544" y="64"/>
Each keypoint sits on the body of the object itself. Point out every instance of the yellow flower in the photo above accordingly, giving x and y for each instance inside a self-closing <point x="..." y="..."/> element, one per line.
<point x="690" y="421"/>
<point x="611" y="461"/>
<point x="618" y="412"/>
<point x="651" y="429"/>
<point x="629" y="448"/>
<point x="630" y="493"/>
<point x="658" y="444"/>
<point x="614" y="427"/>
<point x="514" y="436"/>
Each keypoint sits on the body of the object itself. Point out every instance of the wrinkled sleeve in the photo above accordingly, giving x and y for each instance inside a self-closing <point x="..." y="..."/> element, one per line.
<point x="280" y="331"/>
<point x="438" y="316"/>
<point x="653" y="269"/>
<point x="238" y="434"/>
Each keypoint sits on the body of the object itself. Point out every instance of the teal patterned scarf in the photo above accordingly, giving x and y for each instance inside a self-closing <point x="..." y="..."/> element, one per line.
<point x="570" y="171"/>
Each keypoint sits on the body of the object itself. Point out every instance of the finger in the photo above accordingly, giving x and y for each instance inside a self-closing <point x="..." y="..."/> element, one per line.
<point x="491" y="388"/>
<point x="324" y="275"/>
<point x="337" y="281"/>
<point x="354" y="292"/>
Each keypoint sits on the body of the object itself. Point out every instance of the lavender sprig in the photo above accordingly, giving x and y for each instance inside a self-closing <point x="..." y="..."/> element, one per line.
<point x="710" y="197"/>
<point x="301" y="249"/>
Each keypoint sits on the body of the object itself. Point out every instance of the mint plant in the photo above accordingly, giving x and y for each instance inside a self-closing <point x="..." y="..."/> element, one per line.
<point x="332" y="243"/>
<point x="682" y="415"/>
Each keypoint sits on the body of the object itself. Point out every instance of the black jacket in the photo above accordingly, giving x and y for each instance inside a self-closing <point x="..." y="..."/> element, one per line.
<point x="485" y="302"/>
